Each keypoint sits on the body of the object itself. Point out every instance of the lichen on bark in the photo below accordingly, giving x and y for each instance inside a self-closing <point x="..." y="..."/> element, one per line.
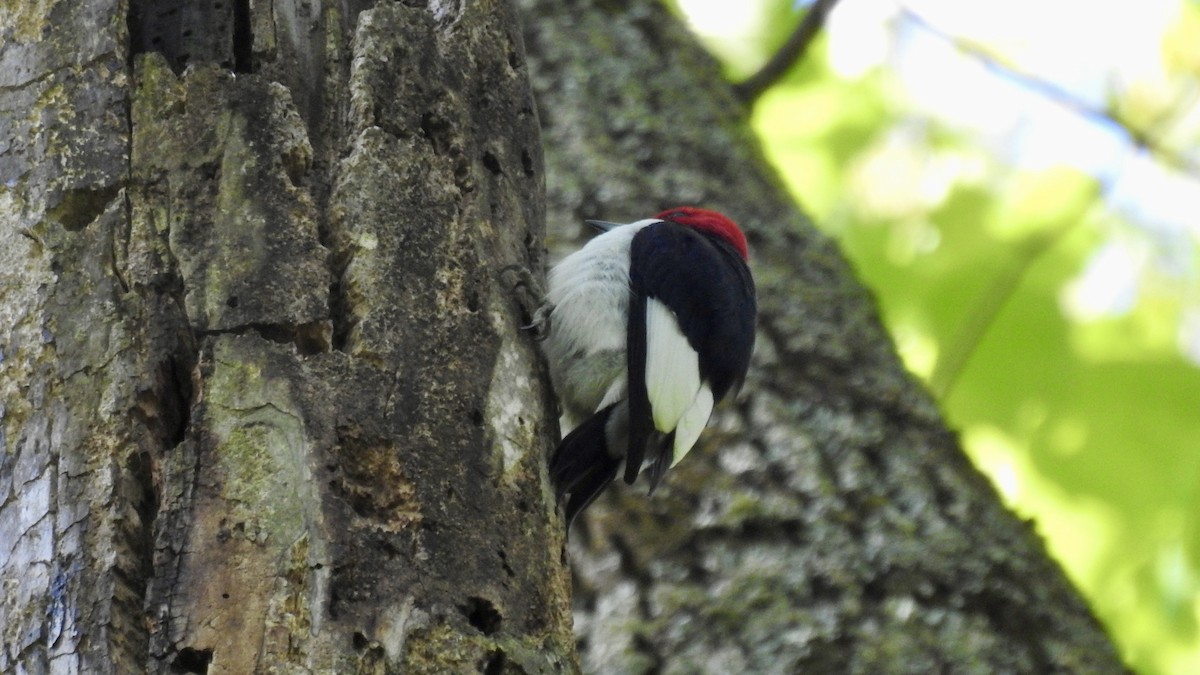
<point x="265" y="400"/>
<point x="828" y="521"/>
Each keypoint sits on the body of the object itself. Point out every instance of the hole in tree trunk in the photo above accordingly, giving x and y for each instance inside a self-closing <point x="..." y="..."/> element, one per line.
<point x="190" y="660"/>
<point x="482" y="614"/>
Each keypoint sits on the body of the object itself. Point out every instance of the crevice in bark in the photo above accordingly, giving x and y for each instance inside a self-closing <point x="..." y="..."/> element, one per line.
<point x="341" y="302"/>
<point x="527" y="164"/>
<point x="308" y="338"/>
<point x="182" y="394"/>
<point x="339" y="312"/>
<point x="118" y="260"/>
<point x="508" y="570"/>
<point x="141" y="469"/>
<point x="243" y="38"/>
<point x="164" y="410"/>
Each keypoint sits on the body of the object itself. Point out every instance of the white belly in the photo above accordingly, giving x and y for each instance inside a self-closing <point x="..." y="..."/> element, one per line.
<point x="586" y="346"/>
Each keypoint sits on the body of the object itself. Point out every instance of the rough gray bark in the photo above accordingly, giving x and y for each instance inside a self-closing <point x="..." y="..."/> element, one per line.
<point x="830" y="522"/>
<point x="265" y="403"/>
<point x="242" y="427"/>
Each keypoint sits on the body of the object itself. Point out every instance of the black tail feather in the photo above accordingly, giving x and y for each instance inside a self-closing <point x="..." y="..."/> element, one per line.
<point x="582" y="464"/>
<point x="663" y="453"/>
<point x="586" y="493"/>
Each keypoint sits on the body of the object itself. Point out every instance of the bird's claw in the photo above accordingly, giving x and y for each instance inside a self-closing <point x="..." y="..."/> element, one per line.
<point x="540" y="325"/>
<point x="532" y="299"/>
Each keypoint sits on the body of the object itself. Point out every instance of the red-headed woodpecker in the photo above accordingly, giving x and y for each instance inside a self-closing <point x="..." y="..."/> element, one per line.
<point x="652" y="323"/>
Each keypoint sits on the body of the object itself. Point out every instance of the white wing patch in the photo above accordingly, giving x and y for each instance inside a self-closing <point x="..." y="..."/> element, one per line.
<point x="679" y="401"/>
<point x="692" y="423"/>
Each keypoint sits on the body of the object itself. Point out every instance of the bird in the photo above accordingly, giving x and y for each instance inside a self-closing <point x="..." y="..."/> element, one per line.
<point x="650" y="325"/>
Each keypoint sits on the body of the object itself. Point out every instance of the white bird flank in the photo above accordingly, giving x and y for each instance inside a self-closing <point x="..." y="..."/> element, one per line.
<point x="594" y="281"/>
<point x="590" y="292"/>
<point x="679" y="401"/>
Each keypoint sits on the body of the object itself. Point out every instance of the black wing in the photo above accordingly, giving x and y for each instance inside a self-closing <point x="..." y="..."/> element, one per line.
<point x="706" y="283"/>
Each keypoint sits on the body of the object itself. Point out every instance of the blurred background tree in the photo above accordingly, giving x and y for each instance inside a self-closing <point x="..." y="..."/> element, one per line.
<point x="1019" y="182"/>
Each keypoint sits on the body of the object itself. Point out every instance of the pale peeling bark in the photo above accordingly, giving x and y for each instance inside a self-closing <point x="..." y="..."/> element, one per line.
<point x="829" y="523"/>
<point x="266" y="406"/>
<point x="74" y="539"/>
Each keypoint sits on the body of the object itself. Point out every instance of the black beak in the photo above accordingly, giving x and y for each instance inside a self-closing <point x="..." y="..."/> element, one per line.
<point x="603" y="225"/>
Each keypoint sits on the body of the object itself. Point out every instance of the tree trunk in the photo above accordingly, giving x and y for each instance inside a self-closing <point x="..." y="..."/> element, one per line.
<point x="266" y="405"/>
<point x="830" y="522"/>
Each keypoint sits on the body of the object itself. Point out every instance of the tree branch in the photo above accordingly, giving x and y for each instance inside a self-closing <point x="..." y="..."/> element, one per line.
<point x="1137" y="137"/>
<point x="978" y="321"/>
<point x="791" y="52"/>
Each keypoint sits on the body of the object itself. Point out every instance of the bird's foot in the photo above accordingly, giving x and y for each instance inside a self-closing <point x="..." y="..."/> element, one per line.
<point x="528" y="292"/>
